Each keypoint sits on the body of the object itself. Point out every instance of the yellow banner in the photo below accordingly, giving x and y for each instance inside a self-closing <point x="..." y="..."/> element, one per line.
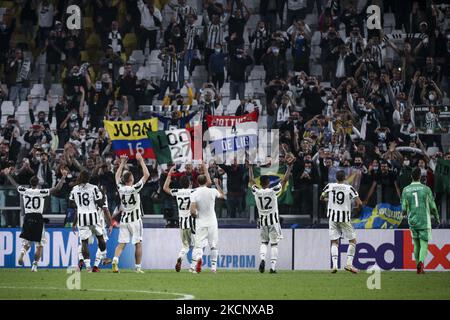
<point x="130" y="130"/>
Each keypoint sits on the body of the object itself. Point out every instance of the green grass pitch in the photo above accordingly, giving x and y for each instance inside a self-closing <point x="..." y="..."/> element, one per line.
<point x="225" y="285"/>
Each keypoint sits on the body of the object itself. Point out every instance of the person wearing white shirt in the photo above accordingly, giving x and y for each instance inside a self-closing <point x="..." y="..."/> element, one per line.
<point x="202" y="209"/>
<point x="151" y="20"/>
<point x="46" y="13"/>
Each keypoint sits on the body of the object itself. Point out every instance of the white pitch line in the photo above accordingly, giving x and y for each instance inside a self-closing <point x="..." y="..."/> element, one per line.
<point x="183" y="296"/>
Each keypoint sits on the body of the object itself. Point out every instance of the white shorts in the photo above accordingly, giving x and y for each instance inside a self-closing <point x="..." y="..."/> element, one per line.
<point x="131" y="231"/>
<point x="187" y="237"/>
<point x="105" y="236"/>
<point x="211" y="234"/>
<point x="42" y="243"/>
<point x="271" y="234"/>
<point x="342" y="230"/>
<point x="84" y="233"/>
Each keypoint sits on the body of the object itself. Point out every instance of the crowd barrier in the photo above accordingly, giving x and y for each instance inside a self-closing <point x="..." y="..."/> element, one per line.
<point x="300" y="249"/>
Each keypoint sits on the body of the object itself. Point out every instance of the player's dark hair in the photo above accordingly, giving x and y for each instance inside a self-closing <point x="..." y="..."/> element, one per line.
<point x="415" y="174"/>
<point x="185" y="182"/>
<point x="83" y="177"/>
<point x="34" y="181"/>
<point x="265" y="181"/>
<point x="340" y="175"/>
<point x="126" y="177"/>
<point x="201" y="180"/>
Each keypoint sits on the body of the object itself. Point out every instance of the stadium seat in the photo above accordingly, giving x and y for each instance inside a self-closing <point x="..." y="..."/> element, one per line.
<point x="137" y="58"/>
<point x="43" y="106"/>
<point x="38" y="91"/>
<point x="8" y="108"/>
<point x="56" y="89"/>
<point x="22" y="109"/>
<point x="232" y="107"/>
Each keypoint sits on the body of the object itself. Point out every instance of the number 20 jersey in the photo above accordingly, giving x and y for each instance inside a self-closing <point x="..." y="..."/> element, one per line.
<point x="33" y="199"/>
<point x="340" y="197"/>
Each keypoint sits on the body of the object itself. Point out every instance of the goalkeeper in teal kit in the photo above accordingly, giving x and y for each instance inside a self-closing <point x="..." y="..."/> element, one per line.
<point x="418" y="203"/>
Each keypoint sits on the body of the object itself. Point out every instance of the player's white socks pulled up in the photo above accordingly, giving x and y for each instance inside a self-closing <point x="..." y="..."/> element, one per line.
<point x="334" y="256"/>
<point x="80" y="253"/>
<point x="87" y="263"/>
<point x="214" y="255"/>
<point x="99" y="256"/>
<point x="273" y="257"/>
<point x="350" y="254"/>
<point x="263" y="251"/>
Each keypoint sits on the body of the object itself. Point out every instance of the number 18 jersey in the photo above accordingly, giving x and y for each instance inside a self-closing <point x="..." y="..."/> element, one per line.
<point x="340" y="198"/>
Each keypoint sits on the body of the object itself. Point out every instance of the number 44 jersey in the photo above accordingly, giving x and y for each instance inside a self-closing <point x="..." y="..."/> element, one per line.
<point x="340" y="198"/>
<point x="131" y="202"/>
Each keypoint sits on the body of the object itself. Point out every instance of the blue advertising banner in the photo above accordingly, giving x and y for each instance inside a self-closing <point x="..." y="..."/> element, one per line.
<point x="60" y="251"/>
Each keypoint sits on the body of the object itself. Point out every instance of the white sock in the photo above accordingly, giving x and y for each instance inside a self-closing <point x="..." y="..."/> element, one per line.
<point x="23" y="252"/>
<point x="197" y="253"/>
<point x="263" y="251"/>
<point x="214" y="255"/>
<point x="99" y="256"/>
<point x="273" y="256"/>
<point x="80" y="253"/>
<point x="138" y="267"/>
<point x="87" y="263"/>
<point x="35" y="263"/>
<point x="115" y="260"/>
<point x="334" y="256"/>
<point x="182" y="252"/>
<point x="350" y="254"/>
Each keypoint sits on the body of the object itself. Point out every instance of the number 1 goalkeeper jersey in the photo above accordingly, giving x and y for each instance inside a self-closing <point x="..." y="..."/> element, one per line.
<point x="418" y="203"/>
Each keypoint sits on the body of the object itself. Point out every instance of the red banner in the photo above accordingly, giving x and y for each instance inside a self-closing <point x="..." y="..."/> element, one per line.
<point x="229" y="121"/>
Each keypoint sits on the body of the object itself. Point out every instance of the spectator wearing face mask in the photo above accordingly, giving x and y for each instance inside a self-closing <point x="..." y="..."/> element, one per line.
<point x="389" y="186"/>
<point x="238" y="64"/>
<point x="258" y="40"/>
<point x="217" y="67"/>
<point x="274" y="64"/>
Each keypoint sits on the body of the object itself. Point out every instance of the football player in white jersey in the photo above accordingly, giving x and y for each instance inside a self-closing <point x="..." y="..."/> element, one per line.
<point x="86" y="198"/>
<point x="339" y="196"/>
<point x="130" y="228"/>
<point x="269" y="220"/>
<point x="206" y="227"/>
<point x="186" y="221"/>
<point x="33" y="229"/>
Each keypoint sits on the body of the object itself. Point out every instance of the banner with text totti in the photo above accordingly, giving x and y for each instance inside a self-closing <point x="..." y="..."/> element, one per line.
<point x="129" y="137"/>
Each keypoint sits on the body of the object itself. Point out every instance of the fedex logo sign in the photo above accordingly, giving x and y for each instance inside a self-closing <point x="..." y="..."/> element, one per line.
<point x="397" y="255"/>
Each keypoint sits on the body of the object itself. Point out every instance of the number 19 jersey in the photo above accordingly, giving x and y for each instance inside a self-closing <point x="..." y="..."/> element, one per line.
<point x="267" y="204"/>
<point x="131" y="202"/>
<point x="340" y="198"/>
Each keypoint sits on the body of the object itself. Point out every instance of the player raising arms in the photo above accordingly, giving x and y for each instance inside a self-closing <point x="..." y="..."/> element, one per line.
<point x="33" y="230"/>
<point x="131" y="228"/>
<point x="206" y="227"/>
<point x="418" y="203"/>
<point x="269" y="220"/>
<point x="86" y="198"/>
<point x="339" y="196"/>
<point x="186" y="221"/>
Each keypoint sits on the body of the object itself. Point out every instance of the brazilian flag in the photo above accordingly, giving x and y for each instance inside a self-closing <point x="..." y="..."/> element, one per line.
<point x="276" y="174"/>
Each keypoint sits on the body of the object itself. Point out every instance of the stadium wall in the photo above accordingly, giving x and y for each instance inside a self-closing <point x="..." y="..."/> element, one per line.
<point x="301" y="249"/>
